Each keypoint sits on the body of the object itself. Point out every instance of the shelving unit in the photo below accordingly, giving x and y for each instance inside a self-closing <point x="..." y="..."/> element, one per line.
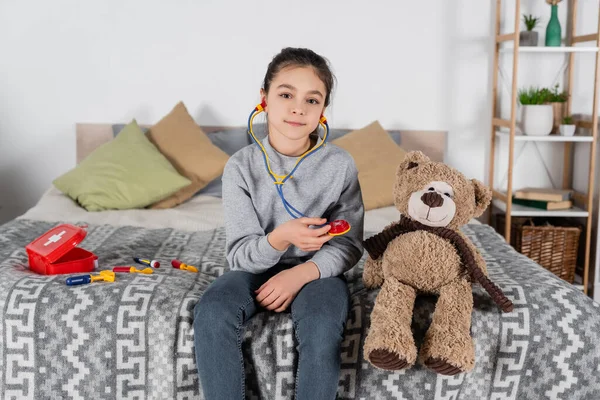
<point x="506" y="128"/>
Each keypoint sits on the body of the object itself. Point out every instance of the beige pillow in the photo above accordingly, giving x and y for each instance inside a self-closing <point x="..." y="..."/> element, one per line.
<point x="191" y="152"/>
<point x="376" y="156"/>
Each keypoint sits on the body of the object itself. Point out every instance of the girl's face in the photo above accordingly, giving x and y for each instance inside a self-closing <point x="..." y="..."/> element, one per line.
<point x="295" y="102"/>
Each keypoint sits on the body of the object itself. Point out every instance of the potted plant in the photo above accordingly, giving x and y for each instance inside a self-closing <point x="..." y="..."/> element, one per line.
<point x="537" y="113"/>
<point x="529" y="37"/>
<point x="567" y="127"/>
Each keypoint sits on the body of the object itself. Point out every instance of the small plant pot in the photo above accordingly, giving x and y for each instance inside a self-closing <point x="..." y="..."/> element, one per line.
<point x="528" y="38"/>
<point x="537" y="119"/>
<point x="567" y="130"/>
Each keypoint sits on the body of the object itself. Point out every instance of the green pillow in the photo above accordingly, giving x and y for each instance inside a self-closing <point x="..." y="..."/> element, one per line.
<point x="127" y="172"/>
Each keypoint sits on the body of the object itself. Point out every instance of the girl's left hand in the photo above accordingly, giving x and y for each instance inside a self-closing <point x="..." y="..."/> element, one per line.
<point x="277" y="293"/>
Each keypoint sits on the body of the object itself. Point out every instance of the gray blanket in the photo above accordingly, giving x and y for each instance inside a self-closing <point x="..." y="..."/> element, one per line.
<point x="134" y="339"/>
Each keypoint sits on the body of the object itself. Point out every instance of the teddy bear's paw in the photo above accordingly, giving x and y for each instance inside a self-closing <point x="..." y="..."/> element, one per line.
<point x="448" y="353"/>
<point x="442" y="366"/>
<point x="390" y="347"/>
<point x="388" y="360"/>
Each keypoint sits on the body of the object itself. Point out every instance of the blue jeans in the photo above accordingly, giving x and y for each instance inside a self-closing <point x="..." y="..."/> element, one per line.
<point x="319" y="314"/>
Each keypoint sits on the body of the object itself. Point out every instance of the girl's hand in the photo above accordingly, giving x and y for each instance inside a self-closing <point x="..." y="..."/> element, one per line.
<point x="277" y="293"/>
<point x="298" y="233"/>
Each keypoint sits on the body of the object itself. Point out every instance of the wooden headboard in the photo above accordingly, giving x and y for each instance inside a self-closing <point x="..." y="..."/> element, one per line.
<point x="433" y="143"/>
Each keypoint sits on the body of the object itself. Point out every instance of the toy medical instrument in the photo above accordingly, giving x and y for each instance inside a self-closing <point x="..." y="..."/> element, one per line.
<point x="338" y="227"/>
<point x="131" y="269"/>
<point x="145" y="261"/>
<point x="179" y="265"/>
<point x="107" y="276"/>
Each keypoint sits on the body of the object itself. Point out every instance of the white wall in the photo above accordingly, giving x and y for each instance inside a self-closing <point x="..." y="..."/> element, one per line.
<point x="421" y="65"/>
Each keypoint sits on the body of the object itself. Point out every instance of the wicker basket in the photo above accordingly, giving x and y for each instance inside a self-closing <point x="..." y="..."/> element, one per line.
<point x="554" y="246"/>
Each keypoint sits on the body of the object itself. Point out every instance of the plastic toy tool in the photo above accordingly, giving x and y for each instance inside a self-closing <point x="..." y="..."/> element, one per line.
<point x="179" y="265"/>
<point x="131" y="269"/>
<point x="339" y="227"/>
<point x="107" y="276"/>
<point x="145" y="261"/>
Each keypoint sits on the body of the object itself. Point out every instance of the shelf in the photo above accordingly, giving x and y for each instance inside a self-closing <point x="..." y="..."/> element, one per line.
<point x="507" y="45"/>
<point x="544" y="49"/>
<point x="546" y="138"/>
<point x="518" y="210"/>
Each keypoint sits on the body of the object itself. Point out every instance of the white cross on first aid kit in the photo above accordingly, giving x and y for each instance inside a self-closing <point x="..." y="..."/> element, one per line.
<point x="54" y="238"/>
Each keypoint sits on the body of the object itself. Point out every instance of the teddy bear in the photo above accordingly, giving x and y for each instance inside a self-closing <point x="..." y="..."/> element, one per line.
<point x="426" y="253"/>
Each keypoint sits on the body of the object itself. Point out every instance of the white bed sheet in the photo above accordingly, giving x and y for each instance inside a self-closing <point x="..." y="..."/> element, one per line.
<point x="200" y="213"/>
<point x="197" y="214"/>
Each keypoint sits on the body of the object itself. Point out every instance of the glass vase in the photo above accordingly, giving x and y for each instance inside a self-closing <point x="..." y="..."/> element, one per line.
<point x="553" y="32"/>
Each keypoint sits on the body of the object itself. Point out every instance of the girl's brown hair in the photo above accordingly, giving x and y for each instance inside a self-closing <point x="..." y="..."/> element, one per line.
<point x="299" y="57"/>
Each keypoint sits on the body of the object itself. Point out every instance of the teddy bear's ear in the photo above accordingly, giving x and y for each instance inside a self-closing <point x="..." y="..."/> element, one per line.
<point x="411" y="160"/>
<point x="483" y="197"/>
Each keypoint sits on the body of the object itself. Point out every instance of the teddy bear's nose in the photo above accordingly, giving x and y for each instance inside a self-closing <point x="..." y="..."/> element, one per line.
<point x="432" y="199"/>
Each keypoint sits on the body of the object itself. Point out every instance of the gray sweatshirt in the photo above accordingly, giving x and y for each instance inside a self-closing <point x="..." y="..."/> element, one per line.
<point x="325" y="185"/>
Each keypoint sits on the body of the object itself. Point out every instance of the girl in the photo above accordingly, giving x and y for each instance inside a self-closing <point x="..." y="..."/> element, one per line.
<point x="280" y="263"/>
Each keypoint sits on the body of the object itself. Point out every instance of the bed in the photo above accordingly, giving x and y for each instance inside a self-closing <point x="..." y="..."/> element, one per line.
<point x="133" y="339"/>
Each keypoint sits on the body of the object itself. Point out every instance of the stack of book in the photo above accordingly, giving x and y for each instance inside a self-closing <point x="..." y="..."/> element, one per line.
<point x="545" y="199"/>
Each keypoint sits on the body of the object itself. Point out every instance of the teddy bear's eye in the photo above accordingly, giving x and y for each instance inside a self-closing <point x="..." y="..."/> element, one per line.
<point x="412" y="164"/>
<point x="447" y="194"/>
<point x="431" y="189"/>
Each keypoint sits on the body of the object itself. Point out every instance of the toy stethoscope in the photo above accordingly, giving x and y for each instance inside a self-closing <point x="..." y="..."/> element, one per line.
<point x="338" y="227"/>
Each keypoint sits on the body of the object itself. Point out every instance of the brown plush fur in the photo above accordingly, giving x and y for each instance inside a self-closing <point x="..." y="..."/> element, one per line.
<point x="422" y="262"/>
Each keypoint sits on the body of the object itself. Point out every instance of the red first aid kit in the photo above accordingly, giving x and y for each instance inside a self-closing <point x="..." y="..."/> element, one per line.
<point x="56" y="252"/>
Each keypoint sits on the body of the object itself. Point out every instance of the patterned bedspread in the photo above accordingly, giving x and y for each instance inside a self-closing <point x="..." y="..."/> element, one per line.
<point x="134" y="339"/>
